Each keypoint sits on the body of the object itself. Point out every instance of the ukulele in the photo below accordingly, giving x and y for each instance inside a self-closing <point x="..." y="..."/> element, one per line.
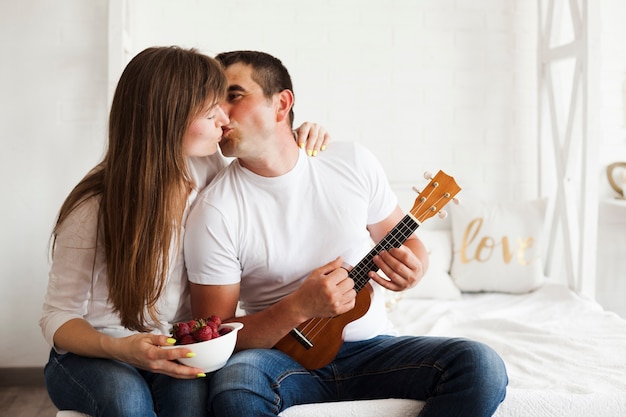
<point x="315" y="342"/>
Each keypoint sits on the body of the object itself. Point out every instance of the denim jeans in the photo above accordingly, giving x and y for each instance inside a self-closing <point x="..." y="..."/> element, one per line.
<point x="104" y="387"/>
<point x="456" y="377"/>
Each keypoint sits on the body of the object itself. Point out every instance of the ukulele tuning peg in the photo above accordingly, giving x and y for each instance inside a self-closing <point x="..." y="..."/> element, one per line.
<point x="428" y="175"/>
<point x="456" y="201"/>
<point x="442" y="214"/>
<point x="414" y="188"/>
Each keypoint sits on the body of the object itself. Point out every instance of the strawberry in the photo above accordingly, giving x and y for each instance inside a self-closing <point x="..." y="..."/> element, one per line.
<point x="212" y="325"/>
<point x="216" y="319"/>
<point x="186" y="340"/>
<point x="198" y="330"/>
<point x="181" y="330"/>
<point x="203" y="333"/>
<point x="224" y="331"/>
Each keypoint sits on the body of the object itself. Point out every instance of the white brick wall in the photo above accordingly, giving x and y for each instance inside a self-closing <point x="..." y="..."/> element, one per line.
<point x="426" y="84"/>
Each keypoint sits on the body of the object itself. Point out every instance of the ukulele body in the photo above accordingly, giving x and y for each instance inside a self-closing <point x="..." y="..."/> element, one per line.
<point x="327" y="330"/>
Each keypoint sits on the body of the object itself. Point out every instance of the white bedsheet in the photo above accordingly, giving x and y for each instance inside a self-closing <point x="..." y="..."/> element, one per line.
<point x="565" y="356"/>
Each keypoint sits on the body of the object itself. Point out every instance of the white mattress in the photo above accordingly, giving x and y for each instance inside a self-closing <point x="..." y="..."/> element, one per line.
<point x="565" y="356"/>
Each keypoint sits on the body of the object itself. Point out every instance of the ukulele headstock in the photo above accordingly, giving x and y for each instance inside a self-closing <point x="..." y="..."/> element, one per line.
<point x="440" y="191"/>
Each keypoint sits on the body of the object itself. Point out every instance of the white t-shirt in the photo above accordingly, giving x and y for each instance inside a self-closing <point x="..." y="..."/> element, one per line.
<point x="268" y="234"/>
<point x="77" y="284"/>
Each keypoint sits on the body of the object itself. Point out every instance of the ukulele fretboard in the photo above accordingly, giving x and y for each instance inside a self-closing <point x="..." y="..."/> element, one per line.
<point x="394" y="239"/>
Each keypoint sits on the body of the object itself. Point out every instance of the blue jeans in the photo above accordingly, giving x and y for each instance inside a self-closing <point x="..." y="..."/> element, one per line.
<point x="104" y="387"/>
<point x="455" y="377"/>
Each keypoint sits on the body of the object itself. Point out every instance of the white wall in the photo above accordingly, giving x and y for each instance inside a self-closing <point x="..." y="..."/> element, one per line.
<point x="613" y="84"/>
<point x="611" y="288"/>
<point x="52" y="130"/>
<point x="427" y="85"/>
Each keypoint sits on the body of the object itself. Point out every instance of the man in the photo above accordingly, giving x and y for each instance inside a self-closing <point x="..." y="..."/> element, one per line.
<point x="258" y="236"/>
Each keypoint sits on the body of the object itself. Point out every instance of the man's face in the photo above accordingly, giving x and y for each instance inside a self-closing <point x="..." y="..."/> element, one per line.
<point x="252" y="115"/>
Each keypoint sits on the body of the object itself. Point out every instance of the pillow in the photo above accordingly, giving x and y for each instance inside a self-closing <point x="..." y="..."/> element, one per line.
<point x="498" y="247"/>
<point x="437" y="282"/>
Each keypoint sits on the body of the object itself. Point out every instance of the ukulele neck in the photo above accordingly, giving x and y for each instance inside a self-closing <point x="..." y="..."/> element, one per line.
<point x="394" y="239"/>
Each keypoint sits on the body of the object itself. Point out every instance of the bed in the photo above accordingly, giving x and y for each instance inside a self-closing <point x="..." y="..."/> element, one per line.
<point x="565" y="355"/>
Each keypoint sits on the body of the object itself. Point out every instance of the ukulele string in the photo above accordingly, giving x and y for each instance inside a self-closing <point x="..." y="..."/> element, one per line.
<point x="433" y="208"/>
<point x="314" y="326"/>
<point x="311" y="325"/>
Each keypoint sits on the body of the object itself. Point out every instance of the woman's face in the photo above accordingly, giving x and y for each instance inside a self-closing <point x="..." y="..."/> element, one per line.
<point x="205" y="132"/>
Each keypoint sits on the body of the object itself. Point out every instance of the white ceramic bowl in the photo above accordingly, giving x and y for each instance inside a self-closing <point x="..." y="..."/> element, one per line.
<point x="212" y="354"/>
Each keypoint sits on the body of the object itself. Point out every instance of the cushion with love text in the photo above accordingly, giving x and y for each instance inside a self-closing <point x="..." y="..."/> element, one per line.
<point x="498" y="247"/>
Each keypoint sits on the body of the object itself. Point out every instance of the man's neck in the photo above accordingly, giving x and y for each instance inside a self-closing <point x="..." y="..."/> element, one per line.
<point x="277" y="159"/>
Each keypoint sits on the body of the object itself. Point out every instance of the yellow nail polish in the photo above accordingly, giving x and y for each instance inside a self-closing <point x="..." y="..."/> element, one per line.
<point x="171" y="340"/>
<point x="190" y="355"/>
<point x="309" y="152"/>
<point x="323" y="147"/>
<point x="314" y="153"/>
<point x="201" y="375"/>
<point x="301" y="145"/>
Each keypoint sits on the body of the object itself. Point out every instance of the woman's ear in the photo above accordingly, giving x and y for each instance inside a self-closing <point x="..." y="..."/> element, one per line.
<point x="284" y="104"/>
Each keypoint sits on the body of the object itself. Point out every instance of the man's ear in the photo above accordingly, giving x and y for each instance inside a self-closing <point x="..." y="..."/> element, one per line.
<point x="284" y="104"/>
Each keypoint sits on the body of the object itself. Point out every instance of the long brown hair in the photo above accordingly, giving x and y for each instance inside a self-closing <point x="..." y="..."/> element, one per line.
<point x="143" y="180"/>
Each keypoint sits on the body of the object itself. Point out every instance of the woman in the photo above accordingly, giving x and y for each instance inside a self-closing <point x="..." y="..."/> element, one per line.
<point x="117" y="280"/>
